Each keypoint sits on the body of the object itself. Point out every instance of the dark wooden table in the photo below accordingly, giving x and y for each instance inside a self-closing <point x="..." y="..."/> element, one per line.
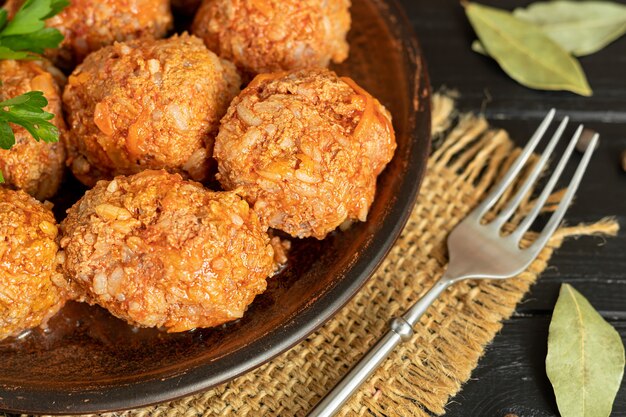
<point x="511" y="378"/>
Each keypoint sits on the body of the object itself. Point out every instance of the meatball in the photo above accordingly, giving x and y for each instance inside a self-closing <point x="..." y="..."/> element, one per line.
<point x="305" y="148"/>
<point x="35" y="167"/>
<point x="273" y="35"/>
<point x="28" y="263"/>
<point x="147" y="104"/>
<point x="157" y="250"/>
<point x="89" y="25"/>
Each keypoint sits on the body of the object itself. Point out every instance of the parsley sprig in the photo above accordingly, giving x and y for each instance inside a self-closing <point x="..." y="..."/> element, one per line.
<point x="25" y="35"/>
<point x="27" y="111"/>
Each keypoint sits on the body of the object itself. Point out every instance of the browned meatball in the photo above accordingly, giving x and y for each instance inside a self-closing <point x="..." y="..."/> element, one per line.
<point x="88" y="25"/>
<point x="274" y="35"/>
<point x="35" y="167"/>
<point x="147" y="104"/>
<point x="305" y="148"/>
<point x="28" y="263"/>
<point x="157" y="250"/>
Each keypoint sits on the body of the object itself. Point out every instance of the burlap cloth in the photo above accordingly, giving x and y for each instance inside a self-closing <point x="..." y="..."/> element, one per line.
<point x="420" y="376"/>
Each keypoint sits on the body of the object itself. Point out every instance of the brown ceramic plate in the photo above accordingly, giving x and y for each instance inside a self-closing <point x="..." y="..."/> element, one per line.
<point x="89" y="361"/>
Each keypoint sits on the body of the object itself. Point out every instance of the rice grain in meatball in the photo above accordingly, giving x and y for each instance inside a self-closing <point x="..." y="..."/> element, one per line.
<point x="35" y="167"/>
<point x="147" y="104"/>
<point x="157" y="250"/>
<point x="305" y="148"/>
<point x="28" y="263"/>
<point x="274" y="35"/>
<point x="88" y="25"/>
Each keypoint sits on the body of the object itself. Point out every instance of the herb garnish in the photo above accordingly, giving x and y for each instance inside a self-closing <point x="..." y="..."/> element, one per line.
<point x="27" y="111"/>
<point x="25" y="35"/>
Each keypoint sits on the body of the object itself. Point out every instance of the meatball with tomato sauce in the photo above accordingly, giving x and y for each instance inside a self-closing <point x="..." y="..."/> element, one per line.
<point x="35" y="167"/>
<point x="88" y="25"/>
<point x="29" y="295"/>
<point x="305" y="149"/>
<point x="160" y="251"/>
<point x="147" y="104"/>
<point x="273" y="35"/>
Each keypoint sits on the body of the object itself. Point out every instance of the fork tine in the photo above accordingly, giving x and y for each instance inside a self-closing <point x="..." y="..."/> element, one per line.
<point x="512" y="205"/>
<point x="489" y="201"/>
<point x="545" y="193"/>
<point x="558" y="215"/>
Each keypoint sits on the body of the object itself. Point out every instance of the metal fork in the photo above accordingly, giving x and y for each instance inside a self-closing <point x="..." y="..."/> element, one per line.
<point x="477" y="251"/>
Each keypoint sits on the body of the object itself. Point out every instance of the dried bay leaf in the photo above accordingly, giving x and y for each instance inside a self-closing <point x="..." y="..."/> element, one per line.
<point x="525" y="53"/>
<point x="585" y="361"/>
<point x="479" y="48"/>
<point x="580" y="27"/>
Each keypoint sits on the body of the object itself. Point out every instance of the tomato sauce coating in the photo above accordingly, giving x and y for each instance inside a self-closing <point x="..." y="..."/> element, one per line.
<point x="160" y="251"/>
<point x="29" y="262"/>
<point x="273" y="35"/>
<point x="305" y="149"/>
<point x="35" y="167"/>
<point x="147" y="104"/>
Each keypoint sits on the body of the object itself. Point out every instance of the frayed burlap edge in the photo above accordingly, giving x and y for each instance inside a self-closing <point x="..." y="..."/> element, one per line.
<point x="420" y="376"/>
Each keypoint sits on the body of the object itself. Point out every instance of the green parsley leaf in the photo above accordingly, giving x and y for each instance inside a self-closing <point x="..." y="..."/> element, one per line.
<point x="33" y="99"/>
<point x="29" y="18"/>
<point x="34" y="42"/>
<point x="7" y="138"/>
<point x="26" y="31"/>
<point x="21" y="38"/>
<point x="27" y="111"/>
<point x="6" y="53"/>
<point x="56" y="6"/>
<point x="4" y="15"/>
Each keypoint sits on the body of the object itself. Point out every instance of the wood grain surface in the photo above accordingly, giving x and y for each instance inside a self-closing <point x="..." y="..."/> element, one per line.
<point x="511" y="379"/>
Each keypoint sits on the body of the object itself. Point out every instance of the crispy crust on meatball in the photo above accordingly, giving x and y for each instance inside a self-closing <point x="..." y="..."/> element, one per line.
<point x="35" y="167"/>
<point x="157" y="250"/>
<point x="147" y="104"/>
<point x="305" y="148"/>
<point x="273" y="35"/>
<point x="88" y="25"/>
<point x="28" y="263"/>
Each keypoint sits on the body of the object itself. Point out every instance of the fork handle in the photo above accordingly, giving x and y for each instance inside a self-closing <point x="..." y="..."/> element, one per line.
<point x="400" y="330"/>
